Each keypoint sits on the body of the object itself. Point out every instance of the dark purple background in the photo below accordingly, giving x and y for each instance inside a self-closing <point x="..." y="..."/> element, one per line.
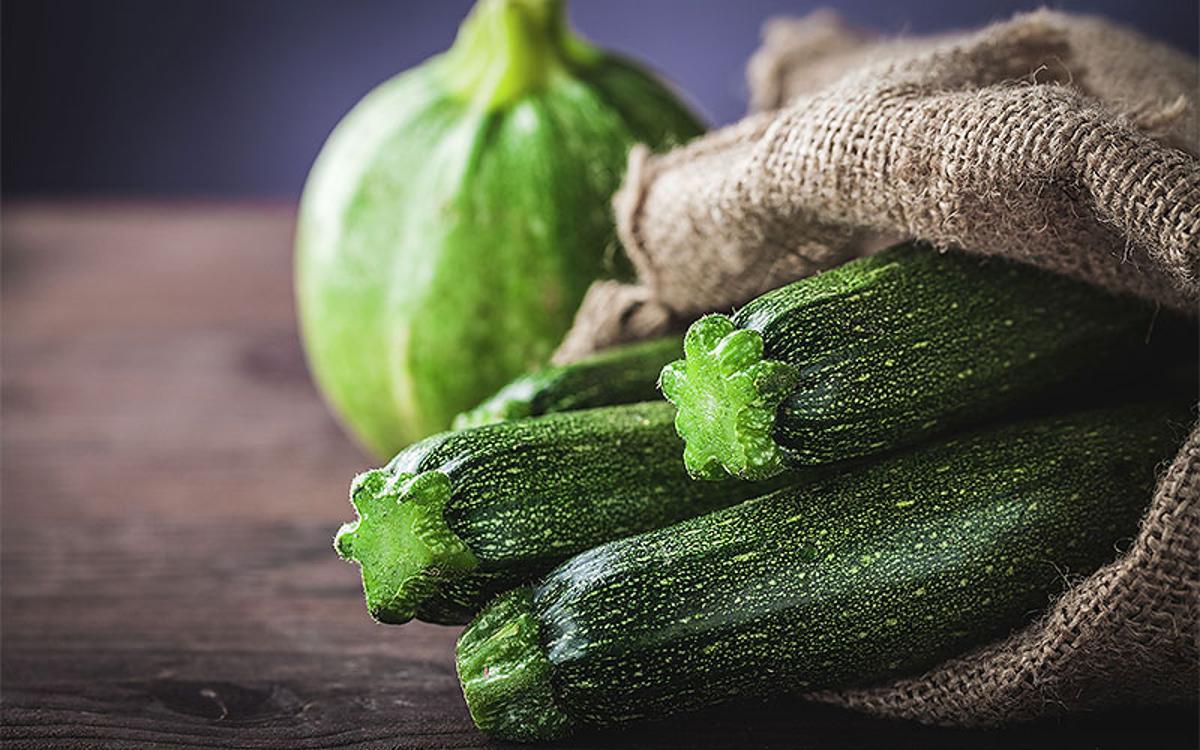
<point x="234" y="97"/>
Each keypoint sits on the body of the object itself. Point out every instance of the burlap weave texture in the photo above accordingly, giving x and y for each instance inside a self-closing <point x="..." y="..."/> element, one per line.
<point x="1059" y="140"/>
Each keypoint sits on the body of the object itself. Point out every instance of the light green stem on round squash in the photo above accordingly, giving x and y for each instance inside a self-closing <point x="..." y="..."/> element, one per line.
<point x="507" y="48"/>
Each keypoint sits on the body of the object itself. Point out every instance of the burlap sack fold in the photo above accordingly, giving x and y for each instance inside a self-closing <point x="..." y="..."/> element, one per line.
<point x="1058" y="140"/>
<point x="1063" y="141"/>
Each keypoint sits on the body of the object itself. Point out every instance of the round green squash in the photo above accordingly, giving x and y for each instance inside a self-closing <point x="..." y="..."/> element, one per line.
<point x="456" y="216"/>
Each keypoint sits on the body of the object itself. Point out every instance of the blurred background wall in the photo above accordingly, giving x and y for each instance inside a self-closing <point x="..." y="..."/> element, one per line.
<point x="233" y="98"/>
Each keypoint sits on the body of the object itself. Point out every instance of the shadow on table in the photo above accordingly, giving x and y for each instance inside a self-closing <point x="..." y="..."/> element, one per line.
<point x="788" y="724"/>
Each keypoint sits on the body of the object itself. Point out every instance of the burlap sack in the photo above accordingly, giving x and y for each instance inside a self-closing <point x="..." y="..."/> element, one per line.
<point x="1058" y="140"/>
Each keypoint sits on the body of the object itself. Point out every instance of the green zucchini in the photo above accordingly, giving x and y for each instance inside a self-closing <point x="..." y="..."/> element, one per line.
<point x="458" y="517"/>
<point x="885" y="351"/>
<point x="621" y="375"/>
<point x="856" y="577"/>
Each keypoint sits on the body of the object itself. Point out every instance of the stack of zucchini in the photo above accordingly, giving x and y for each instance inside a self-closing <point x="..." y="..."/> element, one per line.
<point x="855" y="476"/>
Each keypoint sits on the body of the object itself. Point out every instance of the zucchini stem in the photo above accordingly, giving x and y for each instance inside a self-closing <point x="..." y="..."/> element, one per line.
<point x="505" y="674"/>
<point x="401" y="541"/>
<point x="726" y="395"/>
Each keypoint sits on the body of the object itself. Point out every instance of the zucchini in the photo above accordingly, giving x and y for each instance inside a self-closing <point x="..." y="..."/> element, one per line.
<point x="456" y="518"/>
<point x="845" y="581"/>
<point x="621" y="375"/>
<point x="885" y="351"/>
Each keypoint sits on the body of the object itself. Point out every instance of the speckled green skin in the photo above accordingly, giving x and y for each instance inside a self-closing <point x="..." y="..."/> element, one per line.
<point x="886" y="351"/>
<point x="458" y="517"/>
<point x="621" y="375"/>
<point x="455" y="218"/>
<point x="870" y="573"/>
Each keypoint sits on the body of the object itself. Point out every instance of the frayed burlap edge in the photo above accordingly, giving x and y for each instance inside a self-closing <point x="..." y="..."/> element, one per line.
<point x="641" y="317"/>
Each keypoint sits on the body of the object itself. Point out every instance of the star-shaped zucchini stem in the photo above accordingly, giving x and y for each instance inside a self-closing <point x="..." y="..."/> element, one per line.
<point x="726" y="395"/>
<point x="401" y="541"/>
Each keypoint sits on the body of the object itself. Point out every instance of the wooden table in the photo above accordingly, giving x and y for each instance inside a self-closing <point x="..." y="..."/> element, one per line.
<point x="171" y="482"/>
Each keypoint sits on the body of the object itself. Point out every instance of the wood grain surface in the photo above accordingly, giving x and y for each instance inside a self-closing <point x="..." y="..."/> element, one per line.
<point x="170" y="485"/>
